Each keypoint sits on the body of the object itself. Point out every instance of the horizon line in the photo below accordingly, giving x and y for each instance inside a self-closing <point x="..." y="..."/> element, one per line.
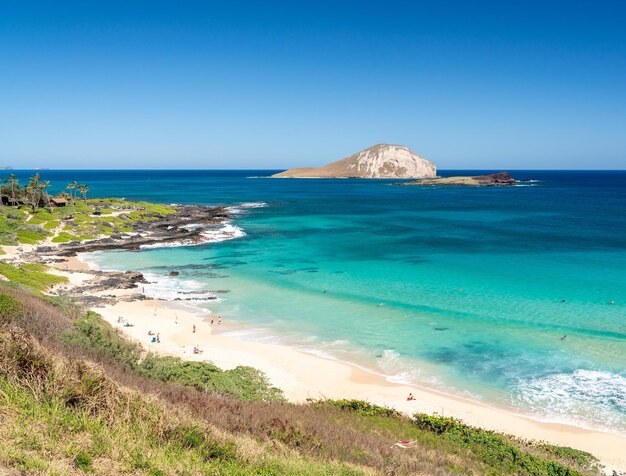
<point x="35" y="169"/>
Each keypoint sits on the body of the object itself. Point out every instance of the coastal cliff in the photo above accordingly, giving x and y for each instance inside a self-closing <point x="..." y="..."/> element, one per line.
<point x="378" y="161"/>
<point x="501" y="179"/>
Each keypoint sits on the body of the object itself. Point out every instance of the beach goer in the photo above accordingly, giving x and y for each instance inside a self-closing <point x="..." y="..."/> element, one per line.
<point x="564" y="337"/>
<point x="150" y="333"/>
<point x="410" y="397"/>
<point x="212" y="321"/>
<point x="158" y="338"/>
<point x="612" y="302"/>
<point x="194" y="328"/>
<point x="219" y="319"/>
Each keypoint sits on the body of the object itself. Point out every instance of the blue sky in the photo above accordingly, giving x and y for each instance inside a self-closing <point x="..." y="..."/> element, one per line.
<point x="185" y="84"/>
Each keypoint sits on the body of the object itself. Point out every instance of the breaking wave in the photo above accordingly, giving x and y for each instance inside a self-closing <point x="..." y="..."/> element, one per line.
<point x="587" y="398"/>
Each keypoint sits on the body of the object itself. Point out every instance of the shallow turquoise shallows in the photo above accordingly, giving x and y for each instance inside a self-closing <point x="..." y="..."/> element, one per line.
<point x="466" y="289"/>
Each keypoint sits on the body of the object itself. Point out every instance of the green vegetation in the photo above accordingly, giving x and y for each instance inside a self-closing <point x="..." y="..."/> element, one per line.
<point x="95" y="335"/>
<point x="100" y="405"/>
<point x="85" y="423"/>
<point x="505" y="454"/>
<point x="31" y="275"/>
<point x="10" y="307"/>
<point x="32" y="217"/>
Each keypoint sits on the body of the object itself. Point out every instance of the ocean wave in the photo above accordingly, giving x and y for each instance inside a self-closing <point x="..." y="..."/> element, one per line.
<point x="395" y="368"/>
<point x="241" y="208"/>
<point x="587" y="398"/>
<point x="228" y="231"/>
<point x="174" y="288"/>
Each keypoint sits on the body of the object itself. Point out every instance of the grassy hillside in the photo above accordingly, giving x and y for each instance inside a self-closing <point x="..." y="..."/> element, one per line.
<point x="19" y="225"/>
<point x="99" y="404"/>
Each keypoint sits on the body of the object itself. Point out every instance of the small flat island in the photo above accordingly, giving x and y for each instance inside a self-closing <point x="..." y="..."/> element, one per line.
<point x="501" y="179"/>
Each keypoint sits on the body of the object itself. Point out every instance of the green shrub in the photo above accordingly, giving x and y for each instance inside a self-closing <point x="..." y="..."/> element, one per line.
<point x="360" y="407"/>
<point x="495" y="449"/>
<point x="94" y="334"/>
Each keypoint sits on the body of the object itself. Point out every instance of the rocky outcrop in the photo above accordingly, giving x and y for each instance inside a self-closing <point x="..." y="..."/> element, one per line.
<point x="501" y="179"/>
<point x="186" y="226"/>
<point x="379" y="161"/>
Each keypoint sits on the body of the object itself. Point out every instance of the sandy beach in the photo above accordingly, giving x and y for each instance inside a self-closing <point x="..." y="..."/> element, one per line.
<point x="303" y="375"/>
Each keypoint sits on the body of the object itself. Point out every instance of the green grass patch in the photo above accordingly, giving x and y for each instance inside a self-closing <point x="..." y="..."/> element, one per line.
<point x="31" y="275"/>
<point x="30" y="236"/>
<point x="52" y="224"/>
<point x="64" y="237"/>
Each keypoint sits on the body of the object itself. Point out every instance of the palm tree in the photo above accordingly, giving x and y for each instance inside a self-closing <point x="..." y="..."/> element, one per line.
<point x="13" y="182"/>
<point x="83" y="191"/>
<point x="33" y="191"/>
<point x="43" y="187"/>
<point x="71" y="186"/>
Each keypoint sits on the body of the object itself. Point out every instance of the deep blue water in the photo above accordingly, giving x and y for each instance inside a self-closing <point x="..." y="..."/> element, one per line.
<point x="468" y="289"/>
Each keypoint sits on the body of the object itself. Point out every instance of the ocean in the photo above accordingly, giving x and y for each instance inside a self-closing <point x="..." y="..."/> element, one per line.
<point x="467" y="290"/>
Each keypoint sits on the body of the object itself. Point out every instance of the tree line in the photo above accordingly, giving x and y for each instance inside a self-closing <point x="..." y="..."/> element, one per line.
<point x="35" y="194"/>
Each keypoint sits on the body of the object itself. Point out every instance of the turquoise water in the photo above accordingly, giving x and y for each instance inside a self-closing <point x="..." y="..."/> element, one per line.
<point x="468" y="290"/>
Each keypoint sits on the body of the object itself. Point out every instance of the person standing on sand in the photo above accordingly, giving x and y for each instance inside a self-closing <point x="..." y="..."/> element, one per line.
<point x="158" y="337"/>
<point x="219" y="319"/>
<point x="194" y="328"/>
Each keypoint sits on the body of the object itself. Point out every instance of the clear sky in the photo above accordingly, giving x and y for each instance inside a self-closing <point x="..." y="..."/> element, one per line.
<point x="235" y="84"/>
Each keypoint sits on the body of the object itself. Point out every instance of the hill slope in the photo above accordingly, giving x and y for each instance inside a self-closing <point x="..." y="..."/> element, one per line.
<point x="378" y="161"/>
<point x="101" y="406"/>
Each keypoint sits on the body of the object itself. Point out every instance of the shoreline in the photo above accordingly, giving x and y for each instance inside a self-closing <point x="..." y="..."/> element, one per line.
<point x="298" y="372"/>
<point x="295" y="371"/>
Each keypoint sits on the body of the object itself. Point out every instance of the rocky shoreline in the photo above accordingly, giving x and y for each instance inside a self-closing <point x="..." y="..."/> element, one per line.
<point x="187" y="226"/>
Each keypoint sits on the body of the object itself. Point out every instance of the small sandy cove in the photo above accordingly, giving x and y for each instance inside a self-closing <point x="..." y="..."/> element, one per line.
<point x="302" y="375"/>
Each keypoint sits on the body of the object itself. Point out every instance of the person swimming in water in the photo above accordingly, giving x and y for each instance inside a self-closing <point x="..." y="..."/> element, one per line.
<point x="564" y="337"/>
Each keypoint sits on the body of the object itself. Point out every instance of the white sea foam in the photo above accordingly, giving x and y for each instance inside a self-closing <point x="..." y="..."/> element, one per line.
<point x="172" y="287"/>
<point x="583" y="397"/>
<point x="241" y="208"/>
<point x="228" y="231"/>
<point x="394" y="367"/>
